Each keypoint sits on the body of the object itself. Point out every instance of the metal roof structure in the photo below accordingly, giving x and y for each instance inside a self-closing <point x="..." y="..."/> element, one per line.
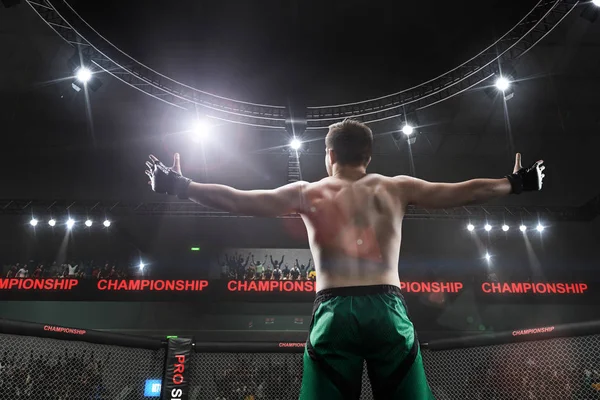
<point x="529" y="31"/>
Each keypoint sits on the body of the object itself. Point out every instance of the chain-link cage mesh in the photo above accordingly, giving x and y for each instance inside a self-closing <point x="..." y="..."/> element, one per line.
<point x="240" y="376"/>
<point x="554" y="369"/>
<point x="37" y="368"/>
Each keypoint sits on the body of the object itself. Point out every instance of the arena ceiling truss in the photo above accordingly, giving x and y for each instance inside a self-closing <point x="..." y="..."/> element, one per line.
<point x="537" y="24"/>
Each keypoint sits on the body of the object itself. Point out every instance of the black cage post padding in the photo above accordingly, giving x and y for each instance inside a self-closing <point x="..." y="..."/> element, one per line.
<point x="176" y="382"/>
<point x="518" y="335"/>
<point x="65" y="333"/>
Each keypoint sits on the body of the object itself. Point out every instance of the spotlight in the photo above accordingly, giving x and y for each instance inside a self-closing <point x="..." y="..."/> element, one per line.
<point x="487" y="227"/>
<point x="70" y="223"/>
<point x="471" y="227"/>
<point x="83" y="74"/>
<point x="487" y="256"/>
<point x="505" y="228"/>
<point x="522" y="228"/>
<point x="106" y="223"/>
<point x="33" y="222"/>
<point x="540" y="228"/>
<point x="295" y="144"/>
<point x="52" y="222"/>
<point x="502" y="84"/>
<point x="88" y="223"/>
<point x="142" y="265"/>
<point x="200" y="130"/>
<point x="596" y="3"/>
<point x="408" y="130"/>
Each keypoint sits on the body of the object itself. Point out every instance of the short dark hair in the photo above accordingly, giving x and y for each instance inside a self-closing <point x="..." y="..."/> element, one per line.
<point x="352" y="142"/>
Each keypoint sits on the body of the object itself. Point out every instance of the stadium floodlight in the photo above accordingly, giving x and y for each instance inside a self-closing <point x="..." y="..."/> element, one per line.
<point x="83" y="74"/>
<point x="471" y="227"/>
<point x="540" y="228"/>
<point x="502" y="84"/>
<point x="505" y="228"/>
<point x="106" y="223"/>
<point x="142" y="265"/>
<point x="295" y="144"/>
<point x="522" y="228"/>
<point x="88" y="223"/>
<point x="408" y="130"/>
<point x="488" y="257"/>
<point x="200" y="130"/>
<point x="52" y="222"/>
<point x="70" y="223"/>
<point x="487" y="227"/>
<point x="33" y="222"/>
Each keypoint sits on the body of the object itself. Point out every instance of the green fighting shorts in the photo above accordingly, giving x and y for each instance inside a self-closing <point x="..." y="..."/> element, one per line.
<point x="353" y="324"/>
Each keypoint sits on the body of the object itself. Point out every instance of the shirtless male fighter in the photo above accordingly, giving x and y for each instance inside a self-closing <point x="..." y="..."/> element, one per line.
<point x="354" y="224"/>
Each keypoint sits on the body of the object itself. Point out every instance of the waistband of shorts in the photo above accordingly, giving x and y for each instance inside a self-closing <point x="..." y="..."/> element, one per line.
<point x="358" y="291"/>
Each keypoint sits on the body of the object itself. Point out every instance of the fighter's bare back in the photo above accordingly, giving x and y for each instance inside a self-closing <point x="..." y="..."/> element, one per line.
<point x="354" y="230"/>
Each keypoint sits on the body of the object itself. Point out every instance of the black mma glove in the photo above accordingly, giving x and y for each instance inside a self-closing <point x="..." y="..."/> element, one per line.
<point x="526" y="179"/>
<point x="167" y="180"/>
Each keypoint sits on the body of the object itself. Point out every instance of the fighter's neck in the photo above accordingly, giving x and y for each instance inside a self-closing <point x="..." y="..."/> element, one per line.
<point x="349" y="174"/>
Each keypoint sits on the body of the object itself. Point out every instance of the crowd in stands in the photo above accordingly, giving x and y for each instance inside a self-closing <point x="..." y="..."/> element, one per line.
<point x="519" y="377"/>
<point x="70" y="269"/>
<point x="238" y="267"/>
<point x="249" y="380"/>
<point x="66" y="376"/>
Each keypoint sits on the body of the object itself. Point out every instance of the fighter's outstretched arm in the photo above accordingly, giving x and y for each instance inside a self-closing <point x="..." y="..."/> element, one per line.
<point x="286" y="199"/>
<point x="446" y="195"/>
<point x="259" y="203"/>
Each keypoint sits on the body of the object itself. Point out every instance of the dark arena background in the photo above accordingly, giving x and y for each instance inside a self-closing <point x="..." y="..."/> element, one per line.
<point x="111" y="291"/>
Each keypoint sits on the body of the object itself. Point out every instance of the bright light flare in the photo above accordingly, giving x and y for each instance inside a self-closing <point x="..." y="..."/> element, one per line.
<point x="88" y="223"/>
<point x="502" y="84"/>
<point x="470" y="227"/>
<point x="52" y="222"/>
<point x="33" y="222"/>
<point x="505" y="228"/>
<point x="408" y="130"/>
<point x="596" y="3"/>
<point x="83" y="74"/>
<point x="295" y="144"/>
<point x="70" y="223"/>
<point x="488" y="257"/>
<point x="142" y="265"/>
<point x="487" y="227"/>
<point x="200" y="130"/>
<point x="106" y="223"/>
<point x="540" y="228"/>
<point x="522" y="228"/>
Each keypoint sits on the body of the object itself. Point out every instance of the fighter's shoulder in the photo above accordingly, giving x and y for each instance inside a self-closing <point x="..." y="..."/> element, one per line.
<point x="399" y="184"/>
<point x="317" y="184"/>
<point x="397" y="180"/>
